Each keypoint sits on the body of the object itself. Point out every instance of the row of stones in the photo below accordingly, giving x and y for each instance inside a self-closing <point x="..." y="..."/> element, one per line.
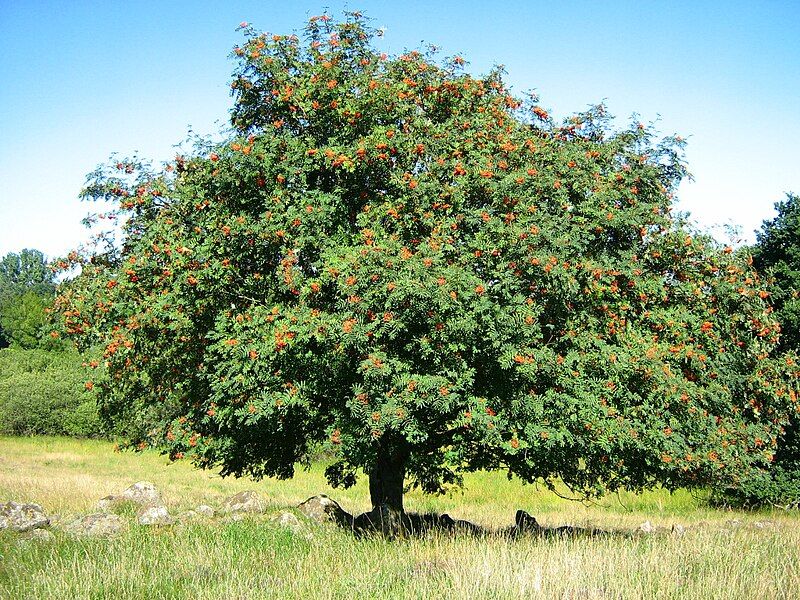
<point x="31" y="519"/>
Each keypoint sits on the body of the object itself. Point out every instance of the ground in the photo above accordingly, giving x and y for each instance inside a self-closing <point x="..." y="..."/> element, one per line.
<point x="722" y="554"/>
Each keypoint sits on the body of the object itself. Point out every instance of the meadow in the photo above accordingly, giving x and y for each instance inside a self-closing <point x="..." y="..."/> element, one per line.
<point x="721" y="553"/>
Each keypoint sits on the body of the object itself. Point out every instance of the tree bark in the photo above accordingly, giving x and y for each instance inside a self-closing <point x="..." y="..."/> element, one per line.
<point x="387" y="476"/>
<point x="386" y="482"/>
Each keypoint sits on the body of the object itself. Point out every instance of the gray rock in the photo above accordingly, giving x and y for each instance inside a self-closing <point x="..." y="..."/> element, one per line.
<point x="678" y="529"/>
<point x="733" y="523"/>
<point x="97" y="525"/>
<point x="39" y="535"/>
<point x="288" y="520"/>
<point x="154" y="515"/>
<point x="199" y="512"/>
<point x="381" y="519"/>
<point x="144" y="493"/>
<point x="233" y="518"/>
<point x="141" y="493"/>
<point x="646" y="527"/>
<point x="22" y="517"/>
<point x="244" y="502"/>
<point x="322" y="509"/>
<point x="462" y="526"/>
<point x="109" y="503"/>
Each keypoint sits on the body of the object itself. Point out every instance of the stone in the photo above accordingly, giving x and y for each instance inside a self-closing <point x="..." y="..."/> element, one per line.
<point x="244" y="502"/>
<point x="678" y="529"/>
<point x="142" y="493"/>
<point x="22" y="517"/>
<point x="322" y="509"/>
<point x="288" y="520"/>
<point x="381" y="519"/>
<point x="204" y="511"/>
<point x="526" y="523"/>
<point x="233" y="518"/>
<point x="461" y="526"/>
<point x="569" y="531"/>
<point x="733" y="523"/>
<point x="109" y="503"/>
<point x="97" y="525"/>
<point x="154" y="515"/>
<point x="422" y="523"/>
<point x="39" y="535"/>
<point x="646" y="527"/>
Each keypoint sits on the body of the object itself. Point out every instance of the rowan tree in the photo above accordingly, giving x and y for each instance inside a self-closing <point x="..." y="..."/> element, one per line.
<point x="428" y="275"/>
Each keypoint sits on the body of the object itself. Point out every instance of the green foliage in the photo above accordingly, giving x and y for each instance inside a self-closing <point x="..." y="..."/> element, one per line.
<point x="45" y="393"/>
<point x="25" y="272"/>
<point x="24" y="319"/>
<point x="428" y="274"/>
<point x="27" y="288"/>
<point x="777" y="256"/>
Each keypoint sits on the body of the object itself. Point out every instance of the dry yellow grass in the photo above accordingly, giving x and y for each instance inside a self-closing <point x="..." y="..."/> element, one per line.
<point x="715" y="558"/>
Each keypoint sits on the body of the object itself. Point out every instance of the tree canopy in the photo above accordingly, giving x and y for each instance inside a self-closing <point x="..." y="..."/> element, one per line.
<point x="776" y="255"/>
<point x="27" y="288"/>
<point x="428" y="275"/>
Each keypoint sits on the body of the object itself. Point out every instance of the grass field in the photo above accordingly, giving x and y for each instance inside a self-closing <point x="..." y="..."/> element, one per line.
<point x="722" y="554"/>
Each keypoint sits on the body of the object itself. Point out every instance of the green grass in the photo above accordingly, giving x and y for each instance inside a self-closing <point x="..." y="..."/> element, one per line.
<point x="256" y="558"/>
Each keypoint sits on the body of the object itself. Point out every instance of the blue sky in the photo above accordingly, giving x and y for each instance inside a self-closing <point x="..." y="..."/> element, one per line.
<point x="81" y="80"/>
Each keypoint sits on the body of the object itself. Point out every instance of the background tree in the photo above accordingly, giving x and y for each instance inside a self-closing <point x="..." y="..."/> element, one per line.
<point x="23" y="319"/>
<point x="776" y="255"/>
<point x="431" y="276"/>
<point x="42" y="384"/>
<point x="27" y="289"/>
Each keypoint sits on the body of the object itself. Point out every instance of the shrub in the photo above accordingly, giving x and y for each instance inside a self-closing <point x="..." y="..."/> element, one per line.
<point x="44" y="393"/>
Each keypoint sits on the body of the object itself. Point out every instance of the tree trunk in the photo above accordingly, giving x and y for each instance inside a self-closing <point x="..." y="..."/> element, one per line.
<point x="386" y="489"/>
<point x="386" y="481"/>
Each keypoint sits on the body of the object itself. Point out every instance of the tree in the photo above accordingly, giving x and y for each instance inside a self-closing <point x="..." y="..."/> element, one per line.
<point x="430" y="276"/>
<point x="776" y="255"/>
<point x="27" y="288"/>
<point x="24" y="318"/>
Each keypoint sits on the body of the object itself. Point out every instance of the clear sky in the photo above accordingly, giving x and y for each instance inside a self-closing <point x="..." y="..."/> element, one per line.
<point x="80" y="80"/>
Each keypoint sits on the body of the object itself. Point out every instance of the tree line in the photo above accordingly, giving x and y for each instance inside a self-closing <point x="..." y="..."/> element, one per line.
<point x="42" y="378"/>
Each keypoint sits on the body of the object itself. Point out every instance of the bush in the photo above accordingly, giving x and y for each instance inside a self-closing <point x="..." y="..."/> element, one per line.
<point x="44" y="393"/>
